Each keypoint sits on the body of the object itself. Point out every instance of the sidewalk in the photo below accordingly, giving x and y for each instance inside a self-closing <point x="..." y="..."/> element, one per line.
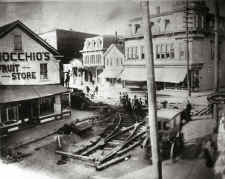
<point x="43" y="130"/>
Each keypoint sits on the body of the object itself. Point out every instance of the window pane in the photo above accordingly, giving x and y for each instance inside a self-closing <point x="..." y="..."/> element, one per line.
<point x="3" y="115"/>
<point x="17" y="42"/>
<point x="43" y="71"/>
<point x="172" y="51"/>
<point x="11" y="114"/>
<point x="47" y="105"/>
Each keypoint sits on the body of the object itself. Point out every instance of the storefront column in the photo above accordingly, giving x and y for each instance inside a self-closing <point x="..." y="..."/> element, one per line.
<point x="58" y="105"/>
<point x="0" y="115"/>
<point x="96" y="75"/>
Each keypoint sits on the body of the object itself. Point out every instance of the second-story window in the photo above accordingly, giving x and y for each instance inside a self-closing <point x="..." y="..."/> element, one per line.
<point x="167" y="50"/>
<point x="135" y="55"/>
<point x="182" y="51"/>
<point x="43" y="71"/>
<point x="164" y="51"/>
<point x="88" y="59"/>
<point x="142" y="52"/>
<point x="137" y="28"/>
<point x="157" y="51"/>
<point x="132" y="52"/>
<point x="17" y="42"/>
<point x="172" y="53"/>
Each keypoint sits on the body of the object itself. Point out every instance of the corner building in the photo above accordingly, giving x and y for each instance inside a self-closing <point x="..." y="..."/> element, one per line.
<point x="169" y="47"/>
<point x="30" y="93"/>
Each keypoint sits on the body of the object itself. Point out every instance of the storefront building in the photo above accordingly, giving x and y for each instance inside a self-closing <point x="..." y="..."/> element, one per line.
<point x="169" y="47"/>
<point x="30" y="93"/>
<point x="93" y="56"/>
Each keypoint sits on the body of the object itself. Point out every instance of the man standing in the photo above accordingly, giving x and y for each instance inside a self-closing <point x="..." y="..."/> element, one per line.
<point x="67" y="79"/>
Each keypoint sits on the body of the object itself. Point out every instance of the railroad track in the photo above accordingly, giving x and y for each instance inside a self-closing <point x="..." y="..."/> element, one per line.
<point x="113" y="145"/>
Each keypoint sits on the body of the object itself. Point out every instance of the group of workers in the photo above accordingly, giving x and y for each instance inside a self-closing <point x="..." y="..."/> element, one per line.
<point x="132" y="106"/>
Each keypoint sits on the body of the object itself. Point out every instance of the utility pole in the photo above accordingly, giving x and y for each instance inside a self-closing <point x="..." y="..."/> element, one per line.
<point x="216" y="59"/>
<point x="152" y="113"/>
<point x="187" y="48"/>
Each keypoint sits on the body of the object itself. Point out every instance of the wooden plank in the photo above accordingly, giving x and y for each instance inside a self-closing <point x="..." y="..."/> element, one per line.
<point x="74" y="156"/>
<point x="111" y="162"/>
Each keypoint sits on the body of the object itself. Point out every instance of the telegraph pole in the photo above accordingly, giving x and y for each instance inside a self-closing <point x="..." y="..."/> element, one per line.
<point x="216" y="59"/>
<point x="187" y="48"/>
<point x="152" y="113"/>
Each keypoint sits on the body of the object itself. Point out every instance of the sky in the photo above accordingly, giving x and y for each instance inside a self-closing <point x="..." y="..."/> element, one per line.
<point x="99" y="17"/>
<point x="92" y="16"/>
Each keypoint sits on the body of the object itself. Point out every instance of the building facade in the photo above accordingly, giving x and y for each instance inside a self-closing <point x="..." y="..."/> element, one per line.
<point x="169" y="46"/>
<point x="110" y="82"/>
<point x="30" y="93"/>
<point x="93" y="56"/>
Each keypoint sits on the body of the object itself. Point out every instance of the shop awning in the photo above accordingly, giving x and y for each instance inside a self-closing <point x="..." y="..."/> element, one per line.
<point x="13" y="93"/>
<point x="48" y="90"/>
<point x="17" y="93"/>
<point x="111" y="73"/>
<point x="169" y="75"/>
<point x="134" y="74"/>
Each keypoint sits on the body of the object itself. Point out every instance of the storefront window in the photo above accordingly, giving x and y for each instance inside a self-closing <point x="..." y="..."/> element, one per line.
<point x="47" y="105"/>
<point x="9" y="114"/>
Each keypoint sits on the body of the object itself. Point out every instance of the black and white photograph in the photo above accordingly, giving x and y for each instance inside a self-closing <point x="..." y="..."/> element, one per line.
<point x="112" y="89"/>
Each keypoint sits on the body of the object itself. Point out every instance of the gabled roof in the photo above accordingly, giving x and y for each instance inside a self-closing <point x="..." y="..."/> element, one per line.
<point x="119" y="47"/>
<point x="4" y="30"/>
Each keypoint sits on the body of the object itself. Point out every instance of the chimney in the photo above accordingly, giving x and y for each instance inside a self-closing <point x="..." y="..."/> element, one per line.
<point x="116" y="37"/>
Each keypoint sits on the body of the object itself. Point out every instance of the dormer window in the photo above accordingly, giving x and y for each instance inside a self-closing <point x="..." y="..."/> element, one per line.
<point x="137" y="28"/>
<point x="17" y="42"/>
<point x="88" y="44"/>
<point x="93" y="44"/>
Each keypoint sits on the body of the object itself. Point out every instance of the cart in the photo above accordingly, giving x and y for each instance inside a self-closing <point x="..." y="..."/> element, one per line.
<point x="169" y="130"/>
